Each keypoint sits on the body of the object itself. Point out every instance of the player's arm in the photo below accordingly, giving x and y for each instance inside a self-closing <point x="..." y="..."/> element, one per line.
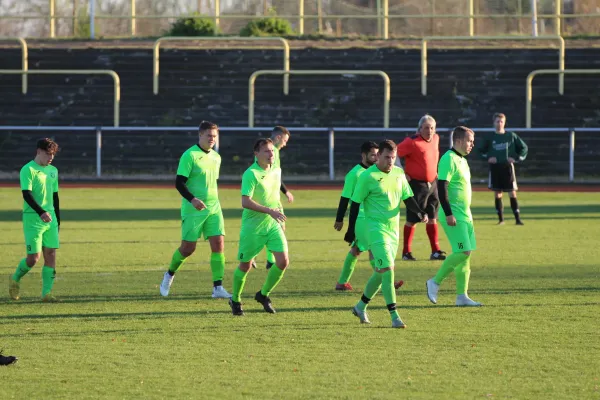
<point x="26" y="180"/>
<point x="412" y="205"/>
<point x="445" y="172"/>
<point x="520" y="147"/>
<point x="286" y="192"/>
<point x="361" y="191"/>
<point x="56" y="202"/>
<point x="350" y="233"/>
<point x="250" y="204"/>
<point x="349" y="185"/>
<point x="403" y="150"/>
<point x="483" y="148"/>
<point x="28" y="197"/>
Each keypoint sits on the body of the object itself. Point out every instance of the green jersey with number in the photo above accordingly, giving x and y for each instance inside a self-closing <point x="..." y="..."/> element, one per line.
<point x="454" y="168"/>
<point x="202" y="170"/>
<point x="381" y="193"/>
<point x="262" y="186"/>
<point x="350" y="185"/>
<point x="42" y="181"/>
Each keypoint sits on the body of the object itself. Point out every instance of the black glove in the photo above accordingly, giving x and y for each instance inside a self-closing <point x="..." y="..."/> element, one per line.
<point x="349" y="237"/>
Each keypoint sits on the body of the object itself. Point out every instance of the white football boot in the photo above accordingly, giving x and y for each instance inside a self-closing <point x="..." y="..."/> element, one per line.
<point x="166" y="283"/>
<point x="463" y="300"/>
<point x="219" y="292"/>
<point x="432" y="290"/>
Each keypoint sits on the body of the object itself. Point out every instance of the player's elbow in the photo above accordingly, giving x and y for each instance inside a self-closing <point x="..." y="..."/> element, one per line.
<point x="245" y="202"/>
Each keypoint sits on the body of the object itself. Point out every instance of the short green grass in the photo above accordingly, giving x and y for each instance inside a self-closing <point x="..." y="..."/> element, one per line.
<point x="113" y="336"/>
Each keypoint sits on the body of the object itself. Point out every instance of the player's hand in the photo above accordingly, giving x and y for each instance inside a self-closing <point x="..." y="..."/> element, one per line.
<point x="451" y="220"/>
<point x="289" y="196"/>
<point x="511" y="160"/>
<point x="492" y="160"/>
<point x="349" y="237"/>
<point x="46" y="217"/>
<point x="425" y="218"/>
<point x="277" y="215"/>
<point x="338" y="225"/>
<point x="198" y="204"/>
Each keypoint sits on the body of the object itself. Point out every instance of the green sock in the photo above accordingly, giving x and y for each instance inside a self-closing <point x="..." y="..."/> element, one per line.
<point x="371" y="289"/>
<point x="348" y="268"/>
<point x="462" y="273"/>
<point x="217" y="266"/>
<point x="177" y="261"/>
<point x="270" y="257"/>
<point x="273" y="277"/>
<point x="451" y="262"/>
<point x="239" y="280"/>
<point x="389" y="292"/>
<point x="48" y="274"/>
<point x="22" y="270"/>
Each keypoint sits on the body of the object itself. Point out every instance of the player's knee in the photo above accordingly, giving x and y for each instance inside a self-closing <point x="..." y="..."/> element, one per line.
<point x="187" y="249"/>
<point x="467" y="253"/>
<point x="245" y="266"/>
<point x="282" y="262"/>
<point x="32" y="259"/>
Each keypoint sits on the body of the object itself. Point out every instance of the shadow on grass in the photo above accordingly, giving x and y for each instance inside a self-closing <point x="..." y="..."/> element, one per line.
<point x="163" y="214"/>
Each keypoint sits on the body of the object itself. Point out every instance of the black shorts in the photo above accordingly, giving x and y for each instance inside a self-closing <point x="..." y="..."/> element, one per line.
<point x="502" y="178"/>
<point x="426" y="195"/>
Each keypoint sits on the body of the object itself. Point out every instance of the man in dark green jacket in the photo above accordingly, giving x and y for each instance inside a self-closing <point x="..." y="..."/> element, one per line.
<point x="502" y="150"/>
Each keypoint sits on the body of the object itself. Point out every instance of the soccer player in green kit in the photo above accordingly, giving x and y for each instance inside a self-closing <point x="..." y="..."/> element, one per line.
<point x="454" y="189"/>
<point x="502" y="150"/>
<point x="381" y="189"/>
<point x="41" y="218"/>
<point x="262" y="225"/>
<point x="280" y="137"/>
<point x="201" y="212"/>
<point x="368" y="153"/>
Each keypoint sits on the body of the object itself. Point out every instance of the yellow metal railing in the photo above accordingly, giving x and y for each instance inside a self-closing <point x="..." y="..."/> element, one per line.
<point x="533" y="74"/>
<point x="113" y="74"/>
<point x="561" y="53"/>
<point x="284" y="43"/>
<point x="383" y="75"/>
<point x="24" y="60"/>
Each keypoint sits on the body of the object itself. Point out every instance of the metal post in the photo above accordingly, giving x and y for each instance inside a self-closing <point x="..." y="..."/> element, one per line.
<point x="331" y="148"/>
<point x="133" y="22"/>
<point x="52" y="21"/>
<point x="520" y="15"/>
<point x="557" y="18"/>
<point x="471" y="19"/>
<point x="98" y="152"/>
<point x="92" y="19"/>
<point x="386" y="21"/>
<point x="75" y="18"/>
<point x="301" y="17"/>
<point x="424" y="67"/>
<point x="320" y="15"/>
<point x="379" y="22"/>
<point x="534" y="22"/>
<point x="217" y="13"/>
<point x="572" y="155"/>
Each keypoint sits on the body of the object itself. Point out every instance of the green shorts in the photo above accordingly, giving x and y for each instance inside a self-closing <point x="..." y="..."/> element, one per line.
<point x="383" y="242"/>
<point x="40" y="234"/>
<point x="361" y="239"/>
<point x="251" y="244"/>
<point x="461" y="236"/>
<point x="203" y="224"/>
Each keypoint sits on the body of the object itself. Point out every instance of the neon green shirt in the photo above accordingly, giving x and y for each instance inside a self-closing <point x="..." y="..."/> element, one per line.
<point x="454" y="168"/>
<point x="350" y="185"/>
<point x="42" y="182"/>
<point x="202" y="170"/>
<point x="262" y="186"/>
<point x="381" y="193"/>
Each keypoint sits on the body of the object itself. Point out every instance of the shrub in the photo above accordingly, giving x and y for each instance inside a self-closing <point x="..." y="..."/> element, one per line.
<point x="269" y="26"/>
<point x="196" y="25"/>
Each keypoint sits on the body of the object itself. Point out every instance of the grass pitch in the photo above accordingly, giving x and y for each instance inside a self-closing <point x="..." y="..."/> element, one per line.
<point x="113" y="336"/>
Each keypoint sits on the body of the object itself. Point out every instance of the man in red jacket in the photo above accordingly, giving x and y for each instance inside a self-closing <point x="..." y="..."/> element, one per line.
<point x="421" y="155"/>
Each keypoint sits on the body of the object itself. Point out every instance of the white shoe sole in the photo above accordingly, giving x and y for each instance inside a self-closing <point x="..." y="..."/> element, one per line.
<point x="431" y="298"/>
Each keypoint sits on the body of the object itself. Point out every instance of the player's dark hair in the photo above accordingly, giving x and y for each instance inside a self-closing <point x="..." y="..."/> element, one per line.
<point x="207" y="126"/>
<point x="260" y="143"/>
<point x="280" y="130"/>
<point x="367" y="146"/>
<point x="498" y="115"/>
<point x="387" y="145"/>
<point x="460" y="132"/>
<point x="48" y="145"/>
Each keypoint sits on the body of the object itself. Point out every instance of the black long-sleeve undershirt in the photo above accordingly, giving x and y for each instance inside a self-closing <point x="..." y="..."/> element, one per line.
<point x="342" y="207"/>
<point x="56" y="207"/>
<point x="354" y="209"/>
<point x="444" y="198"/>
<point x="28" y="197"/>
<point x="182" y="187"/>
<point x="283" y="188"/>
